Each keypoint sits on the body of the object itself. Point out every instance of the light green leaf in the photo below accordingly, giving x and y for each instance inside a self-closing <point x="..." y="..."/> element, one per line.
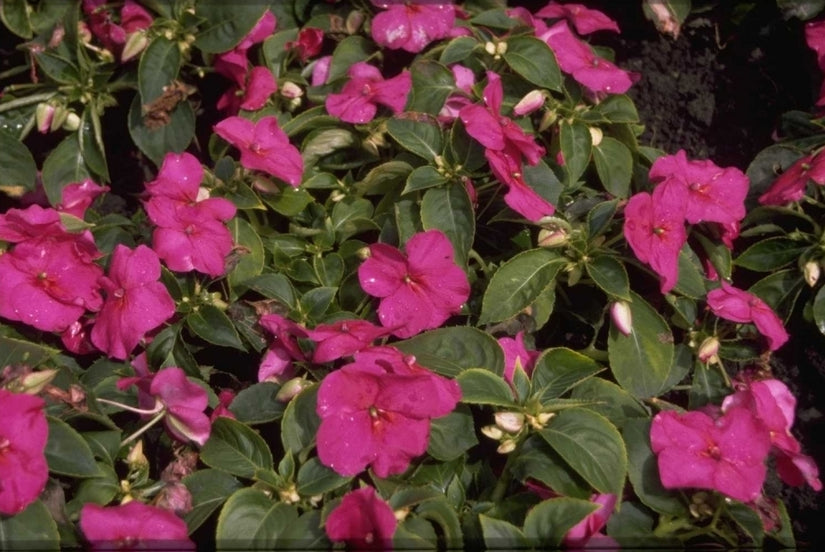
<point x="452" y="435"/>
<point x="251" y="261"/>
<point x="548" y="522"/>
<point x="770" y="254"/>
<point x="64" y="165"/>
<point x="235" y="448"/>
<point x="450" y="351"/>
<point x="559" y="369"/>
<point x="17" y="351"/>
<point x="614" y="165"/>
<point x="422" y="178"/>
<point x="451" y="211"/>
<point x="479" y="386"/>
<point x="209" y="489"/>
<point x="534" y="60"/>
<point x="226" y="24"/>
<point x="315" y="479"/>
<point x="501" y="535"/>
<point x="576" y="145"/>
<point x="349" y="51"/>
<point x="252" y="520"/>
<point x="300" y="422"/>
<point x="159" y="66"/>
<point x="419" y="137"/>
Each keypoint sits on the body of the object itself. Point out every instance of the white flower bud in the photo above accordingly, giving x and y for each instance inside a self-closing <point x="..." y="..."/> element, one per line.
<point x="811" y="272"/>
<point x="511" y="422"/>
<point x="621" y="316"/>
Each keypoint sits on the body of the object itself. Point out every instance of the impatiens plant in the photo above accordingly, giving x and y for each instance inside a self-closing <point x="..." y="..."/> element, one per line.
<point x="385" y="274"/>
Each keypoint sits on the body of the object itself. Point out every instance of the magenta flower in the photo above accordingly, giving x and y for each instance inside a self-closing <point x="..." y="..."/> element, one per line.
<point x="464" y="81"/>
<point x="133" y="525"/>
<point x="308" y="44"/>
<point x="790" y="185"/>
<point x="110" y="32"/>
<point x="655" y="229"/>
<point x="815" y="39"/>
<point x="726" y="455"/>
<point x="376" y="412"/>
<point x="411" y="26"/>
<point x="360" y="97"/>
<point x="283" y="350"/>
<point x="584" y="19"/>
<point x="714" y="194"/>
<point x="516" y="354"/>
<point x="320" y="71"/>
<point x="178" y="183"/>
<point x="587" y="532"/>
<point x="50" y="282"/>
<point x="77" y="197"/>
<point x="577" y="59"/>
<point x="264" y="147"/>
<point x="742" y="307"/>
<point x="136" y="302"/>
<point x="250" y="92"/>
<point x="520" y="197"/>
<point x="34" y="221"/>
<point x="343" y="338"/>
<point x="23" y="436"/>
<point x="362" y="520"/>
<point x="419" y="290"/>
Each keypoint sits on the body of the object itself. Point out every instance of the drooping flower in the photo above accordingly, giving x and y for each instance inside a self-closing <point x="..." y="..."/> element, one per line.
<point x="320" y="71"/>
<point x="34" y="221"/>
<point x="714" y="194"/>
<point x="133" y="525"/>
<point x="250" y="92"/>
<point x="264" y="147"/>
<point x="283" y="350"/>
<point x="727" y="454"/>
<point x="791" y="184"/>
<point x="455" y="102"/>
<point x="77" y="197"/>
<point x="343" y="338"/>
<point x="419" y="289"/>
<point x="587" y="533"/>
<point x="136" y="302"/>
<point x="308" y="44"/>
<point x="23" y="436"/>
<point x="113" y="33"/>
<point x="584" y="19"/>
<point x="577" y="59"/>
<point x="516" y="354"/>
<point x="411" y="26"/>
<point x="376" y="412"/>
<point x="362" y="520"/>
<point x="742" y="307"/>
<point x="360" y="97"/>
<point x="654" y="226"/>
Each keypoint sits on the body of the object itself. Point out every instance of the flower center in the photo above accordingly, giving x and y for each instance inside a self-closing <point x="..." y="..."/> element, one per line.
<point x="658" y="230"/>
<point x="698" y="187"/>
<point x="5" y="444"/>
<point x="366" y="90"/>
<point x="255" y="147"/>
<point x="119" y="293"/>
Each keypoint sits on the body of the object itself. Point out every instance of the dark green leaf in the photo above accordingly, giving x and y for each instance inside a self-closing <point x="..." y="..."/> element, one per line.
<point x="273" y="286"/>
<point x="497" y="18"/>
<point x="538" y="461"/>
<point x="211" y="324"/>
<point x="316" y="301"/>
<point x="257" y="404"/>
<point x="236" y="449"/>
<point x="432" y="82"/>
<point x="479" y="386"/>
<point x="67" y="453"/>
<point x="548" y="522"/>
<point x="173" y="136"/>
<point x="618" y="108"/>
<point x="615" y="404"/>
<point x="501" y="535"/>
<point x="458" y="49"/>
<point x="209" y="489"/>
<point x="452" y="435"/>
<point x="314" y="479"/>
<point x="31" y="529"/>
<point x="451" y="211"/>
<point x="17" y="351"/>
<point x="300" y="421"/>
<point x="600" y="217"/>
<point x="17" y="168"/>
<point x="15" y="16"/>
<point x="57" y="65"/>
<point x="718" y="254"/>
<point x="64" y="165"/>
<point x="519" y="282"/>
<point x="818" y="310"/>
<point x="349" y="51"/>
<point x="251" y="262"/>
<point x="423" y="177"/>
<point x="226" y="24"/>
<point x="533" y="59"/>
<point x="770" y="254"/>
<point x="105" y="445"/>
<point x="691" y="282"/>
<point x="440" y="512"/>
<point x="560" y="369"/>
<point x="450" y="351"/>
<point x="419" y="137"/>
<point x="251" y="519"/>
<point x="159" y="66"/>
<point x="91" y="144"/>
<point x="614" y="164"/>
<point x="576" y="143"/>
<point x="610" y="275"/>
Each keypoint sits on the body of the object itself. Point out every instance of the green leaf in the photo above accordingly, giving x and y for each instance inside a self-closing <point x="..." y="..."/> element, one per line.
<point x="576" y="144"/>
<point x="349" y="51"/>
<point x="618" y="108"/>
<point x="275" y="49"/>
<point x="105" y="445"/>
<point x="748" y="521"/>
<point x="209" y="489"/>
<point x="250" y="519"/>
<point x="718" y="254"/>
<point x="432" y="82"/>
<point x="559" y="369"/>
<point x="15" y="16"/>
<point x="533" y="59"/>
<point x="67" y="452"/>
<point x="257" y="404"/>
<point x="518" y="282"/>
<point x="770" y="254"/>
<point x="501" y="535"/>
<point x="273" y="286"/>
<point x="452" y="435"/>
<point x="315" y="303"/>
<point x="548" y="522"/>
<point x="226" y="24"/>
<point x="423" y="177"/>
<point x="451" y="211"/>
<point x="17" y="351"/>
<point x="802" y="9"/>
<point x="644" y="473"/>
<point x="159" y="66"/>
<point x="64" y="165"/>
<point x="31" y="529"/>
<point x="18" y="170"/>
<point x="641" y="361"/>
<point x="235" y="448"/>
<point x="458" y="49"/>
<point x="211" y="324"/>
<point x="464" y="151"/>
<point x="480" y="386"/>
<point x="591" y="445"/>
<point x="315" y="479"/>
<point x="251" y="261"/>
<point x="91" y="143"/>
<point x="329" y="269"/>
<point x="445" y="516"/>
<point x="780" y="290"/>
<point x="818" y="310"/>
<point x="300" y="422"/>
<point x="289" y="201"/>
<point x="615" y="404"/>
<point x="450" y="351"/>
<point x="691" y="281"/>
<point x="537" y="460"/>
<point x="350" y="216"/>
<point x="614" y="165"/>
<point x="610" y="275"/>
<point x="174" y="136"/>
<point x="420" y="137"/>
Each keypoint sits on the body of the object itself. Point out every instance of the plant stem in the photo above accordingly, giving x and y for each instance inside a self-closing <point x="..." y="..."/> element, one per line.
<point x="143" y="430"/>
<point x="26" y="100"/>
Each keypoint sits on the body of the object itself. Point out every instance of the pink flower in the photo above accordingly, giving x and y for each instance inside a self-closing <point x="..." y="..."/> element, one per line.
<point x="133" y="525"/>
<point x="78" y="196"/>
<point x="250" y="92"/>
<point x="742" y="307"/>
<point x="260" y="32"/>
<point x="363" y="520"/>
<point x="277" y="362"/>
<point x="264" y="147"/>
<point x="308" y="43"/>
<point x="34" y="221"/>
<point x="113" y="34"/>
<point x="584" y="19"/>
<point x="225" y="398"/>
<point x="790" y="185"/>
<point x="815" y="38"/>
<point x="714" y="194"/>
<point x="726" y="455"/>
<point x="464" y="81"/>
<point x="771" y="402"/>
<point x="516" y="354"/>
<point x="320" y="71"/>
<point x="376" y="412"/>
<point x="360" y="97"/>
<point x="136" y="301"/>
<point x="419" y="290"/>
<point x="576" y="58"/>
<point x="655" y="229"/>
<point x="343" y="338"/>
<point x="411" y="26"/>
<point x="588" y="531"/>
<point x="23" y="436"/>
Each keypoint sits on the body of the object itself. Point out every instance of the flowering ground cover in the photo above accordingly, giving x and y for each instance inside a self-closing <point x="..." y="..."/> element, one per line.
<point x="384" y="274"/>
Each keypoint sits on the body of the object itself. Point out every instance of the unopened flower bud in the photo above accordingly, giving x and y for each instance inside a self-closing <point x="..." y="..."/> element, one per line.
<point x="552" y="237"/>
<point x="176" y="498"/>
<point x="289" y="495"/>
<point x="511" y="422"/>
<point x="34" y="382"/>
<point x="363" y="253"/>
<point x="135" y="44"/>
<point x="354" y="21"/>
<point x="490" y="48"/>
<point x="264" y="185"/>
<point x="44" y="114"/>
<point x="336" y="196"/>
<point x="532" y="101"/>
<point x="621" y="316"/>
<point x="291" y="90"/>
<point x="811" y="272"/>
<point x="401" y="513"/>
<point x="291" y="389"/>
<point x="492" y="432"/>
<point x="136" y="459"/>
<point x="501" y="49"/>
<point x="548" y="119"/>
<point x="60" y="116"/>
<point x="708" y="350"/>
<point x="72" y="122"/>
<point x="596" y="135"/>
<point x="506" y="447"/>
